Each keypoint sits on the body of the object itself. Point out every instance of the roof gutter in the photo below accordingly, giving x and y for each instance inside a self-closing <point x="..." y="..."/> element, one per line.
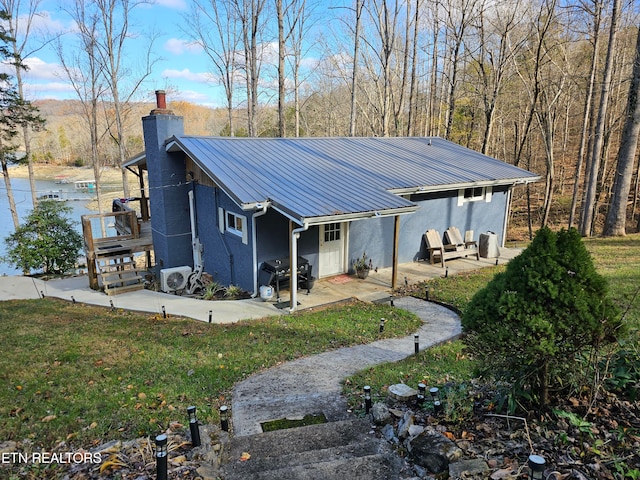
<point x="261" y="209"/>
<point x="455" y="186"/>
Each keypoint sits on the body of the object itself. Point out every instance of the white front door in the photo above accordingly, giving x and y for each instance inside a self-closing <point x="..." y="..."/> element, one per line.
<point x="332" y="239"/>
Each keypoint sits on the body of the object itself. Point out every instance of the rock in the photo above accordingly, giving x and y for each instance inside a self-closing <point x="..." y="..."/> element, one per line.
<point x="8" y="447"/>
<point x="433" y="451"/>
<point x="389" y="434"/>
<point x="208" y="473"/>
<point x="415" y="430"/>
<point x="405" y="424"/>
<point x="402" y="392"/>
<point x="468" y="468"/>
<point x="380" y="414"/>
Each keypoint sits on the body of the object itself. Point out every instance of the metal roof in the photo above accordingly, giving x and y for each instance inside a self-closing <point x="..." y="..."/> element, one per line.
<point x="315" y="180"/>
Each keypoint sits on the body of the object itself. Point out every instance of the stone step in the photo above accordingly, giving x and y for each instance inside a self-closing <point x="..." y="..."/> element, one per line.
<point x="340" y="450"/>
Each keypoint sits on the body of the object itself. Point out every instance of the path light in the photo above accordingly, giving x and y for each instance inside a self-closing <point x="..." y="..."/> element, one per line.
<point x="111" y="303"/>
<point x="426" y="294"/>
<point x="536" y="467"/>
<point x="224" y="418"/>
<point x="161" y="457"/>
<point x="496" y="261"/>
<point x="421" y="390"/>
<point x="416" y="344"/>
<point x="382" y="320"/>
<point x="437" y="407"/>
<point x="73" y="300"/>
<point x="193" y="426"/>
<point x="367" y="399"/>
<point x="164" y="312"/>
<point x="41" y="293"/>
<point x="435" y="393"/>
<point x="210" y="316"/>
<point x="391" y="300"/>
<point x="446" y="273"/>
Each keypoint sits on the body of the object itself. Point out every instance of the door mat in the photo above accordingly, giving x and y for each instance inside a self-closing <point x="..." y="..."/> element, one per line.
<point x="282" y="305"/>
<point x="340" y="279"/>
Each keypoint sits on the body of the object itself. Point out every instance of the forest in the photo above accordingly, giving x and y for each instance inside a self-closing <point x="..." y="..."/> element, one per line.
<point x="551" y="86"/>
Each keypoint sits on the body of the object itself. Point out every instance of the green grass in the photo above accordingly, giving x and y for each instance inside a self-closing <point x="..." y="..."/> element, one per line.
<point x="86" y="375"/>
<point x="617" y="259"/>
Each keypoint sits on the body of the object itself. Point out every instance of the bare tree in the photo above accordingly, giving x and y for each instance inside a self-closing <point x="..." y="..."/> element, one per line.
<point x="615" y="223"/>
<point x="214" y="26"/>
<point x="251" y="19"/>
<point x="354" y="73"/>
<point x="596" y="13"/>
<point x="83" y="71"/>
<point x="112" y="50"/>
<point x="586" y="224"/>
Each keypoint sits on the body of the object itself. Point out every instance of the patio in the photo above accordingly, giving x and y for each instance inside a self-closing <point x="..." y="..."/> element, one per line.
<point x="377" y="286"/>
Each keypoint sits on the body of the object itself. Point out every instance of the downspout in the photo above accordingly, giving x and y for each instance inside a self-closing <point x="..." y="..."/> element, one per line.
<point x="262" y="209"/>
<point x="506" y="215"/>
<point x="293" y="282"/>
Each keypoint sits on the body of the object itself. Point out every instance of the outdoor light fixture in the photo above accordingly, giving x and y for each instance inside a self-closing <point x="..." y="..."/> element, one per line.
<point x="536" y="467"/>
<point x="193" y="426"/>
<point x="367" y="399"/>
<point x="164" y="312"/>
<point x="437" y="407"/>
<point x="391" y="300"/>
<point x="224" y="418"/>
<point x="426" y="294"/>
<point x="435" y="393"/>
<point x="161" y="457"/>
<point x="382" y="320"/>
<point x="416" y="344"/>
<point x="73" y="300"/>
<point x="111" y="303"/>
<point x="41" y="293"/>
<point x="446" y="273"/>
<point x="210" y="316"/>
<point x="421" y="390"/>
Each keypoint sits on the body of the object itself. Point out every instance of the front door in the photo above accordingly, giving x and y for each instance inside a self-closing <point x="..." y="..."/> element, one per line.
<point x="332" y="249"/>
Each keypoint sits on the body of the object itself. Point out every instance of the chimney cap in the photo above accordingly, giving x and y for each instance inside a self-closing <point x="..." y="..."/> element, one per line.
<point x="161" y="104"/>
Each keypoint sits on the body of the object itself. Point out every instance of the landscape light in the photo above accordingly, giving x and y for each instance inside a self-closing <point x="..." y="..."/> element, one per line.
<point x="416" y="344"/>
<point x="367" y="398"/>
<point x="536" y="467"/>
<point x="161" y="457"/>
<point x="193" y="426"/>
<point x="382" y="320"/>
<point x="224" y="418"/>
<point x="435" y="393"/>
<point x="421" y="390"/>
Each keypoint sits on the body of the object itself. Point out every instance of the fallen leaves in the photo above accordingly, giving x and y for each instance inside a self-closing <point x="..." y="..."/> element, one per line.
<point x="245" y="456"/>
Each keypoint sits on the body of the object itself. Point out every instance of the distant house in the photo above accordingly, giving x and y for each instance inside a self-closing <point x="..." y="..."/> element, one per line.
<point x="328" y="200"/>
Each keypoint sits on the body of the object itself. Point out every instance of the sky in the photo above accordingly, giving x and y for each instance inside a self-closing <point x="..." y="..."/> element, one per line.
<point x="180" y="66"/>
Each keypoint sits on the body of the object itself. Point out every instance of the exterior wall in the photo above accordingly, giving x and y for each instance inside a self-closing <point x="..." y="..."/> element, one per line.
<point x="437" y="211"/>
<point x="226" y="257"/>
<point x="171" y="228"/>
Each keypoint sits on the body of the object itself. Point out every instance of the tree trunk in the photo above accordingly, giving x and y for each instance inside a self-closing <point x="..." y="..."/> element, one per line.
<point x="617" y="215"/>
<point x="354" y="73"/>
<point x="10" y="197"/>
<point x="281" y="72"/>
<point x="586" y="226"/>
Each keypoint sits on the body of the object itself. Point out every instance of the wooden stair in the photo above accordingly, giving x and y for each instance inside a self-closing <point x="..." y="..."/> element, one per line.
<point x="119" y="273"/>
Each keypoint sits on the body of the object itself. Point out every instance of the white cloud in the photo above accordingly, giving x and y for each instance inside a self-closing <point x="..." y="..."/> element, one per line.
<point x="175" y="4"/>
<point x="38" y="69"/>
<point x="186" y="74"/>
<point x="178" y="46"/>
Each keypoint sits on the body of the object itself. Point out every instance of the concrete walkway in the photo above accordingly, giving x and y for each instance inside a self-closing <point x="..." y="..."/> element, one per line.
<point x="312" y="385"/>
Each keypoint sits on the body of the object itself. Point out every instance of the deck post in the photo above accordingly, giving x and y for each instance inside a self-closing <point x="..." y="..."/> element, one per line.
<point x="396" y="237"/>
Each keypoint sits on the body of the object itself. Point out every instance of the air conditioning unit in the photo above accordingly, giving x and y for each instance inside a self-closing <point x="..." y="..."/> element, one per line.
<point x="174" y="279"/>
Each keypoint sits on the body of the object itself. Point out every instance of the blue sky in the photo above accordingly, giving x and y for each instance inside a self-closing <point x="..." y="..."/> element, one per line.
<point x="180" y="67"/>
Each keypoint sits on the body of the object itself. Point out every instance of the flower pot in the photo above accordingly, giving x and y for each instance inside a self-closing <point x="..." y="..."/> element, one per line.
<point x="362" y="273"/>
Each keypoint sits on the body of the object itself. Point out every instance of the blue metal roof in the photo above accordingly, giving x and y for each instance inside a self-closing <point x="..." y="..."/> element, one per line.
<point x="316" y="180"/>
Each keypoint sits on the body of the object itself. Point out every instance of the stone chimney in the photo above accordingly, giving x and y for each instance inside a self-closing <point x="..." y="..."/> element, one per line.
<point x="161" y="104"/>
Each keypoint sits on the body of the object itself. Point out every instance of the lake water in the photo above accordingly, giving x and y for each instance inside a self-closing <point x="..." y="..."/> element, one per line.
<point x="22" y="195"/>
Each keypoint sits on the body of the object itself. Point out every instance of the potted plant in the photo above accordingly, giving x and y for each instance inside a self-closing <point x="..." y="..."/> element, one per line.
<point x="362" y="266"/>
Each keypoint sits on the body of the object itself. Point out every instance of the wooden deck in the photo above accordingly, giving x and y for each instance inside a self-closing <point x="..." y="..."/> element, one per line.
<point x="111" y="262"/>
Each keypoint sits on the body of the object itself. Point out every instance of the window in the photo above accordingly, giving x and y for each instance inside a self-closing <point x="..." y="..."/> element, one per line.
<point x="474" y="194"/>
<point x="235" y="223"/>
<point x="332" y="232"/>
<point x="229" y="222"/>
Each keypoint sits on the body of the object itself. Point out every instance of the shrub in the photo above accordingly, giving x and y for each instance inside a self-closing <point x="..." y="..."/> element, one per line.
<point x="528" y="325"/>
<point x="46" y="241"/>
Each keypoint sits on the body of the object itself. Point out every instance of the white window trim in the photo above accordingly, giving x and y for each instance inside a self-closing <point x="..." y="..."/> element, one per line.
<point x="224" y="226"/>
<point x="484" y="197"/>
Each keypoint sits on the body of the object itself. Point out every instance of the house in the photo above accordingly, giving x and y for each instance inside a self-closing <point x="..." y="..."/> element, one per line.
<point x="322" y="200"/>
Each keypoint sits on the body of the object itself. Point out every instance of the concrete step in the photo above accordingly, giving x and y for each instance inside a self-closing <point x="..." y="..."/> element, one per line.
<point x="335" y="450"/>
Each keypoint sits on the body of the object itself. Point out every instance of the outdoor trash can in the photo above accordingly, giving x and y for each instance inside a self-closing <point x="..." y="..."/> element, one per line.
<point x="488" y="245"/>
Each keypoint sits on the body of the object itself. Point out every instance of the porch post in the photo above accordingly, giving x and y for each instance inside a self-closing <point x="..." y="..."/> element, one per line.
<point x="293" y="277"/>
<point x="396" y="237"/>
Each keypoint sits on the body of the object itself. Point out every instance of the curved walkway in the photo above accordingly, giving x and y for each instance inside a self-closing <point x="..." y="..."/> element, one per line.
<point x="312" y="385"/>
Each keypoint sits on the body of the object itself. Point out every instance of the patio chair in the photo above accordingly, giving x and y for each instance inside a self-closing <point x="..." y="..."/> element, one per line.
<point x="467" y="247"/>
<point x="436" y="248"/>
